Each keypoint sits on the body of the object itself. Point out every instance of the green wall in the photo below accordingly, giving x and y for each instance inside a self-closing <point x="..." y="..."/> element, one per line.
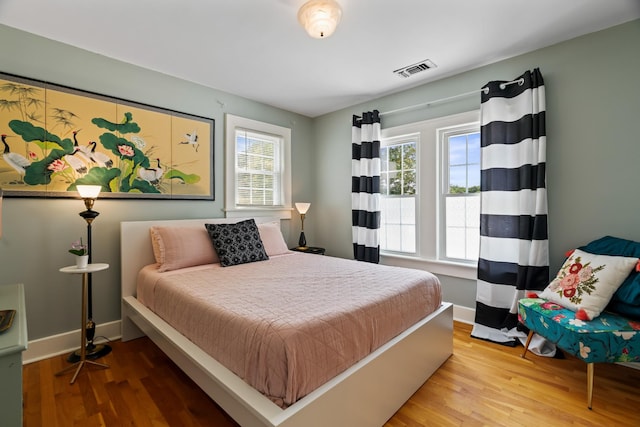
<point x="593" y="105"/>
<point x="593" y="142"/>
<point x="38" y="232"/>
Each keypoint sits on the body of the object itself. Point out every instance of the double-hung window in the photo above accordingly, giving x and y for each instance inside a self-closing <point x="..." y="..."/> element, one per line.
<point x="460" y="192"/>
<point x="430" y="187"/>
<point x="398" y="191"/>
<point x="258" y="169"/>
<point x="258" y="172"/>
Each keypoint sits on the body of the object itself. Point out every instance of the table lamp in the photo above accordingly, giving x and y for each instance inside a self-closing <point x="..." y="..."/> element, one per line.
<point x="302" y="208"/>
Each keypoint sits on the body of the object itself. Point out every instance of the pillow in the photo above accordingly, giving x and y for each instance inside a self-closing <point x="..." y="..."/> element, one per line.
<point x="237" y="243"/>
<point x="626" y="300"/>
<point x="586" y="282"/>
<point x="272" y="239"/>
<point x="180" y="247"/>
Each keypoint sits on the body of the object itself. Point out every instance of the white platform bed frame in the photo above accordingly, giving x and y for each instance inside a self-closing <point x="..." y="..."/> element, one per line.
<point x="367" y="394"/>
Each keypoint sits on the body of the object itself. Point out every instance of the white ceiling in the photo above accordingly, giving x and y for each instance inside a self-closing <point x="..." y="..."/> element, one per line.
<point x="256" y="48"/>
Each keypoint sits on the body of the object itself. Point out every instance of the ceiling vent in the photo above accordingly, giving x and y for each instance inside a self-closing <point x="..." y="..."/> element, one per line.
<point x="412" y="69"/>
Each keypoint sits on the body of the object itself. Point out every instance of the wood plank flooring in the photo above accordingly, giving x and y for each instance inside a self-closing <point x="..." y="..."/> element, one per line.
<point x="482" y="384"/>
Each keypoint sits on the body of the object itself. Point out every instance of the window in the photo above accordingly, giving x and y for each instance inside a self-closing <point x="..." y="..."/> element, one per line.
<point x="257" y="169"/>
<point x="430" y="186"/>
<point x="258" y="173"/>
<point x="398" y="189"/>
<point x="460" y="192"/>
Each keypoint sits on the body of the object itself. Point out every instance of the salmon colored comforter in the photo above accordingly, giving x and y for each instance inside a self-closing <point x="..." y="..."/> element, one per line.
<point x="289" y="324"/>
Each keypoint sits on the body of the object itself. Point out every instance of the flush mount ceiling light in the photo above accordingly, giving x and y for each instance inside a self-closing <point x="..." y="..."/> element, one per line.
<point x="320" y="17"/>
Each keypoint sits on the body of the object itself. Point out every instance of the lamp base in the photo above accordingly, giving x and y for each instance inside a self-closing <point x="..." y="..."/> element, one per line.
<point x="92" y="352"/>
<point x="302" y="241"/>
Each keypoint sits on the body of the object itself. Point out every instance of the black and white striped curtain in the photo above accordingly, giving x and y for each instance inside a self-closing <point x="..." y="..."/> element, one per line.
<point x="365" y="186"/>
<point x="514" y="256"/>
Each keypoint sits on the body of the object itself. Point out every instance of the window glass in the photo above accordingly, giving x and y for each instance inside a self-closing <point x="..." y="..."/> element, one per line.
<point x="257" y="159"/>
<point x="398" y="189"/>
<point x="461" y="194"/>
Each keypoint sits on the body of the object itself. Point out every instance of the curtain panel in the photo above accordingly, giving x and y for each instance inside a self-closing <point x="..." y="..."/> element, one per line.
<point x="514" y="255"/>
<point x="365" y="186"/>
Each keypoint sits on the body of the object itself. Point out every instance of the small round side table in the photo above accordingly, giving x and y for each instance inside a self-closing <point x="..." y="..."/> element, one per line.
<point x="72" y="269"/>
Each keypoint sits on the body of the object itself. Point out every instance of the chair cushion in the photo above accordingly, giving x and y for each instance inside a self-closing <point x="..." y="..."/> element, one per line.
<point x="608" y="338"/>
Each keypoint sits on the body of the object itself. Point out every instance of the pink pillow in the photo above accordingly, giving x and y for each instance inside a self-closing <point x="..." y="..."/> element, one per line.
<point x="180" y="247"/>
<point x="272" y="239"/>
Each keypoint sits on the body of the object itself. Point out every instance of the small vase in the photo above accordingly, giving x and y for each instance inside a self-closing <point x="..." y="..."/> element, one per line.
<point x="82" y="261"/>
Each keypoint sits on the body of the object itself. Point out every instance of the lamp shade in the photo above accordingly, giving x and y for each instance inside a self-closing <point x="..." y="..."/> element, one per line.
<point x="320" y="17"/>
<point x="89" y="191"/>
<point x="303" y="207"/>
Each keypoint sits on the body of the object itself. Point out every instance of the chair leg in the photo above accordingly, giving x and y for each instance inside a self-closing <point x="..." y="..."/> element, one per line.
<point x="526" y="346"/>
<point x="589" y="384"/>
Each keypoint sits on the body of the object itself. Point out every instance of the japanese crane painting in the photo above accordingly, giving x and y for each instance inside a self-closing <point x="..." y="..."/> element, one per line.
<point x="54" y="138"/>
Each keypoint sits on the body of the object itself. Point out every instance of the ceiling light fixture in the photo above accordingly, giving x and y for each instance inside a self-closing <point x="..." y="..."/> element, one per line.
<point x="320" y="17"/>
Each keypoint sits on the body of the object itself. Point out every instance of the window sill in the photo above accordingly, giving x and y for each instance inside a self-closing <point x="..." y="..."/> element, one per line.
<point x="446" y="268"/>
<point x="251" y="212"/>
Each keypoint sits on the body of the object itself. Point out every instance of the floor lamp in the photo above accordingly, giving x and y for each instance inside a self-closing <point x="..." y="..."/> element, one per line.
<point x="89" y="194"/>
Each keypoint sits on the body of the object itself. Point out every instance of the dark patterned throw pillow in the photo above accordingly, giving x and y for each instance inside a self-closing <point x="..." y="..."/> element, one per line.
<point x="237" y="243"/>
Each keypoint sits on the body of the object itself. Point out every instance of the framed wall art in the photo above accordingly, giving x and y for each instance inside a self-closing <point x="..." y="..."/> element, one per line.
<point x="55" y="137"/>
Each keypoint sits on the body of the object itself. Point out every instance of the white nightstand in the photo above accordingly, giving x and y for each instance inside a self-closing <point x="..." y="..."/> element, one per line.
<point x="72" y="269"/>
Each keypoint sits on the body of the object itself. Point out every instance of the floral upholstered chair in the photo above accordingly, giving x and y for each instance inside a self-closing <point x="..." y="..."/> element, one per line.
<point x="592" y="308"/>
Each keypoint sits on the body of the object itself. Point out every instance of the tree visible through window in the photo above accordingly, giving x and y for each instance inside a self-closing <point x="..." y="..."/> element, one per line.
<point x="430" y="185"/>
<point x="461" y="194"/>
<point x="398" y="191"/>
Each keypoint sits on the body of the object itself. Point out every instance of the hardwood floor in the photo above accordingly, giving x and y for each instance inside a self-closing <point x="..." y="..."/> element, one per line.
<point x="482" y="384"/>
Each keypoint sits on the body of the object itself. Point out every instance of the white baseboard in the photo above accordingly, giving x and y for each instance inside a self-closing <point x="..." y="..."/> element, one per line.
<point x="43" y="348"/>
<point x="464" y="314"/>
<point x="634" y="365"/>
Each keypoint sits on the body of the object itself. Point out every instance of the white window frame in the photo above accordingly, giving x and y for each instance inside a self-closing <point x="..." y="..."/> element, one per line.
<point x="398" y="140"/>
<point x="443" y="135"/>
<point x="232" y="209"/>
<point x="428" y="204"/>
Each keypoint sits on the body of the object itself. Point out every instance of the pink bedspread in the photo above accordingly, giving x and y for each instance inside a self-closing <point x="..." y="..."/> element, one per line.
<point x="289" y="324"/>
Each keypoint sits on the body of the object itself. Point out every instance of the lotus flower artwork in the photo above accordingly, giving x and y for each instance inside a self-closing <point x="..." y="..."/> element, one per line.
<point x="76" y="139"/>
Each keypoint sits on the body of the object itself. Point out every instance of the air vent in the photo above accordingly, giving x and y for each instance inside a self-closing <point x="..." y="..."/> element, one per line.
<point x="412" y="69"/>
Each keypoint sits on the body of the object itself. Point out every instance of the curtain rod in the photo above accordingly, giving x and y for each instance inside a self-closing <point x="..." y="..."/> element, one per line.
<point x="520" y="82"/>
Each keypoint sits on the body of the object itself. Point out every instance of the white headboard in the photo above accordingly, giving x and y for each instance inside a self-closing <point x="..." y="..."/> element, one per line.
<point x="136" y="250"/>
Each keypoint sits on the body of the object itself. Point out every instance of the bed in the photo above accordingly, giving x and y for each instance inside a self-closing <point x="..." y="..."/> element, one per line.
<point x="365" y="394"/>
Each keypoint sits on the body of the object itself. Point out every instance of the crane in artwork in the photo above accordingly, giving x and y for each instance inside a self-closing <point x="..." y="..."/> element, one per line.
<point x="18" y="162"/>
<point x="151" y="175"/>
<point x="192" y="139"/>
<point x="100" y="158"/>
<point x="76" y="162"/>
<point x="80" y="151"/>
